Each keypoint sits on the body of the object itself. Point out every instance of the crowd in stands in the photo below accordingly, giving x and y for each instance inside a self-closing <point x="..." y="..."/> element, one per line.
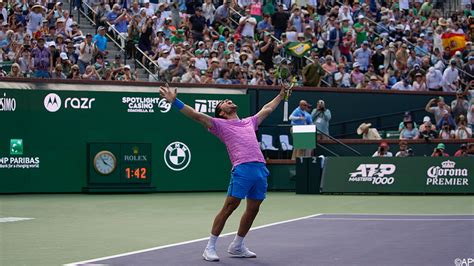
<point x="364" y="44"/>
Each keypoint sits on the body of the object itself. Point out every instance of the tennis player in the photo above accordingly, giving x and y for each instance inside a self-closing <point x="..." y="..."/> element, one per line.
<point x="249" y="174"/>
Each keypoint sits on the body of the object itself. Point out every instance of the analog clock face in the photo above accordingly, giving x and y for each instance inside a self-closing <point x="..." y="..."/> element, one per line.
<point x="105" y="162"/>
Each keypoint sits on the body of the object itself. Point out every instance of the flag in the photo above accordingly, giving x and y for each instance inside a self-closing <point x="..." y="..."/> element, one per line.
<point x="298" y="49"/>
<point x="304" y="137"/>
<point x="455" y="41"/>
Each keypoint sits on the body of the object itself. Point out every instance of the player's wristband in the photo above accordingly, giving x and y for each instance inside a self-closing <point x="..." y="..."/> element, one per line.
<point x="178" y="104"/>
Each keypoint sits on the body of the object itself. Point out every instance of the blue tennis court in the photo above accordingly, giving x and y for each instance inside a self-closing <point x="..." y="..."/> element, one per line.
<point x="329" y="239"/>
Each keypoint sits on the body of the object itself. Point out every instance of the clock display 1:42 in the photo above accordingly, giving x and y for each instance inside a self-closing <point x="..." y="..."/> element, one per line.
<point x="139" y="173"/>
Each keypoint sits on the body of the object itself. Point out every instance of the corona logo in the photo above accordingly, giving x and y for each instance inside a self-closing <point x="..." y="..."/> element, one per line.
<point x="448" y="164"/>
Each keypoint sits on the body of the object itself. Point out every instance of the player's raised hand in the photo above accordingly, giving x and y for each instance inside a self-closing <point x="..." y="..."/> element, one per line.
<point x="286" y="90"/>
<point x="168" y="93"/>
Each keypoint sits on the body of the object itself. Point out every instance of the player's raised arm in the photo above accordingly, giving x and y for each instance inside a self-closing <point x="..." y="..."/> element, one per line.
<point x="268" y="108"/>
<point x="170" y="95"/>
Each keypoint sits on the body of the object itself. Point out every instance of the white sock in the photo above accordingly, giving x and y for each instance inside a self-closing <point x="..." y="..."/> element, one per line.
<point x="212" y="241"/>
<point x="238" y="240"/>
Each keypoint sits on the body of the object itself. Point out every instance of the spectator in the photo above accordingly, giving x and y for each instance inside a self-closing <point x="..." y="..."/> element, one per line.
<point x="58" y="72"/>
<point x="420" y="83"/>
<point x="409" y="131"/>
<point x="462" y="131"/>
<point x="75" y="72"/>
<point x="91" y="73"/>
<point x="427" y="129"/>
<point x="267" y="50"/>
<point x="42" y="59"/>
<point x="320" y="117"/>
<point x="446" y="131"/>
<point x="280" y="20"/>
<point x="468" y="68"/>
<point x="357" y="77"/>
<point x="404" y="151"/>
<point x="300" y="116"/>
<point x="383" y="150"/>
<point x="312" y="74"/>
<point x="175" y="70"/>
<point x="437" y="110"/>
<point x="462" y="152"/>
<point x="459" y="106"/>
<point x="470" y="149"/>
<point x="224" y="77"/>
<point x="402" y="85"/>
<point x="100" y="42"/>
<point x="362" y="56"/>
<point x="208" y="10"/>
<point x="434" y="79"/>
<point x="15" y="71"/>
<point x="127" y="74"/>
<point x="367" y="132"/>
<point x="450" y="77"/>
<point x="446" y="119"/>
<point x="198" y="24"/>
<point x="439" y="151"/>
<point x="375" y="84"/>
<point x="470" y="114"/>
<point x="86" y="51"/>
<point x="342" y="78"/>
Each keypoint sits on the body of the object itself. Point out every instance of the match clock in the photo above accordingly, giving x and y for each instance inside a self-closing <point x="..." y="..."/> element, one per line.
<point x="104" y="162"/>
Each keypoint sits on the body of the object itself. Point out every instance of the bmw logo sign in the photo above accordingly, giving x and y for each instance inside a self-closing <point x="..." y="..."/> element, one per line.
<point x="177" y="156"/>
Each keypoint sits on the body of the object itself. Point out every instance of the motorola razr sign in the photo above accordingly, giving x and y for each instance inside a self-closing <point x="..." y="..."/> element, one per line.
<point x="53" y="103"/>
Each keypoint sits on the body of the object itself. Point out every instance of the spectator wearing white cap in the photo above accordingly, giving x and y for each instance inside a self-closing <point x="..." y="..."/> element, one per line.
<point x="150" y="10"/>
<point x="164" y="60"/>
<point x="450" y="77"/>
<point x="357" y="77"/>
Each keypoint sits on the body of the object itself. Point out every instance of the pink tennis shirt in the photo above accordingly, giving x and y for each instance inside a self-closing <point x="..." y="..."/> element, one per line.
<point x="239" y="137"/>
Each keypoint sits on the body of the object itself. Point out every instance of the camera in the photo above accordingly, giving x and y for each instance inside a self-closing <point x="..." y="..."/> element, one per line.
<point x="410" y="152"/>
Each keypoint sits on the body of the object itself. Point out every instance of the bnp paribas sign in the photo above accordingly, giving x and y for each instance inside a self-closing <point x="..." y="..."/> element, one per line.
<point x="17" y="159"/>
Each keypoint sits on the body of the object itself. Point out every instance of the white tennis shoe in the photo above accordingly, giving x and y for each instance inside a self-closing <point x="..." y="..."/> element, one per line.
<point x="210" y="254"/>
<point x="241" y="252"/>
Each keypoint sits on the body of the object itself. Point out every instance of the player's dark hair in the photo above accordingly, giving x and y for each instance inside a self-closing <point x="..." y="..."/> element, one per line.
<point x="217" y="113"/>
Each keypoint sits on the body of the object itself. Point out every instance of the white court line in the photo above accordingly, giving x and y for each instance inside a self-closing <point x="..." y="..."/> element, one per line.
<point x="399" y="214"/>
<point x="185" y="242"/>
<point x="14" y="219"/>
<point x="389" y="219"/>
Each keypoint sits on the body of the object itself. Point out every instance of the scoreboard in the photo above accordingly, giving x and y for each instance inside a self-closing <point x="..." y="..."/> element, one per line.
<point x="119" y="167"/>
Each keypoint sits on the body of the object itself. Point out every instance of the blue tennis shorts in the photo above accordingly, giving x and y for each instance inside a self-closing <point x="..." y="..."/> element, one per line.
<point x="249" y="180"/>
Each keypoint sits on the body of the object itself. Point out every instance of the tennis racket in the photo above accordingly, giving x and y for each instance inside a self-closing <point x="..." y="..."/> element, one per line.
<point x="287" y="95"/>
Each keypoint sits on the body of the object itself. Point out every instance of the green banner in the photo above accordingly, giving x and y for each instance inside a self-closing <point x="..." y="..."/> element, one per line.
<point x="398" y="175"/>
<point x="45" y="137"/>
